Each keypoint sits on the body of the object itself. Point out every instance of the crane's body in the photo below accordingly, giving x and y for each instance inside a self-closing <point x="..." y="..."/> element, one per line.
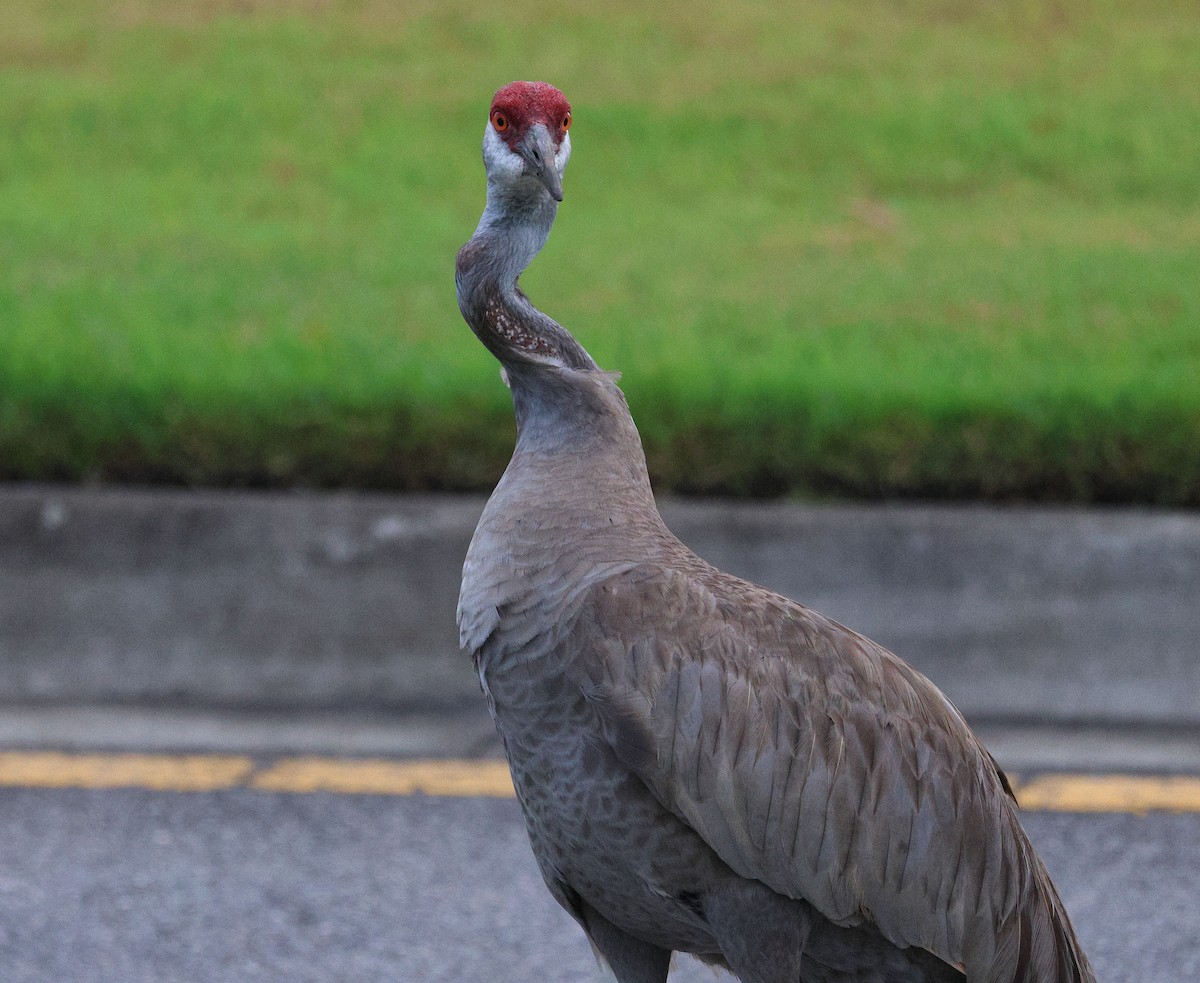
<point x="705" y="766"/>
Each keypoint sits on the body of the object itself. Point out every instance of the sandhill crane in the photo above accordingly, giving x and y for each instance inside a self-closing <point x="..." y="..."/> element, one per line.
<point x="705" y="766"/>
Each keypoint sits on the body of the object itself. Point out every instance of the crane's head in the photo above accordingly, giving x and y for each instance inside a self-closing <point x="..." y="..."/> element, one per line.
<point x="526" y="137"/>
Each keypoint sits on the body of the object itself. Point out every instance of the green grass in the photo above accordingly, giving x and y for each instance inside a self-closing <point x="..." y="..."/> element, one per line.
<point x="921" y="248"/>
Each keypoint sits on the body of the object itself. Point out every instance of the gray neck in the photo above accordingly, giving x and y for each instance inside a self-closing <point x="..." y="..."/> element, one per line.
<point x="578" y="458"/>
<point x="565" y="406"/>
<point x="519" y="217"/>
<point x="512" y="231"/>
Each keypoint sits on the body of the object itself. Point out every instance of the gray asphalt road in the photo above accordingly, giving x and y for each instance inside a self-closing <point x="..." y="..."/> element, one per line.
<point x="129" y="886"/>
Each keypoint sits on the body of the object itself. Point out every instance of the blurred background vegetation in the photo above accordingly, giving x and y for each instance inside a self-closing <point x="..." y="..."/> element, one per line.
<point x="930" y="248"/>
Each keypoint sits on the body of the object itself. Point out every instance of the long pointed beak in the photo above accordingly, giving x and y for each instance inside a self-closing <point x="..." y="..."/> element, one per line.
<point x="538" y="149"/>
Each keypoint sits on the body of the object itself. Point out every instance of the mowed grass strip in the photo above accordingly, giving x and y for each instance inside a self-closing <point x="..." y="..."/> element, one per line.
<point x="866" y="249"/>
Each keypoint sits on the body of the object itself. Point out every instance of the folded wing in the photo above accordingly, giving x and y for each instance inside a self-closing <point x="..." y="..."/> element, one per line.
<point x="822" y="765"/>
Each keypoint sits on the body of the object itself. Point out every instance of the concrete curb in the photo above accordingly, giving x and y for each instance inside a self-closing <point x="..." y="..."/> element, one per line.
<point x="321" y="602"/>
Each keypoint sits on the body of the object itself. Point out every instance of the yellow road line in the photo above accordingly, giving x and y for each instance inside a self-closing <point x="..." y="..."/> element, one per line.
<point x="161" y="772"/>
<point x="386" y="777"/>
<point x="208" y="772"/>
<point x="1110" y="793"/>
<point x="483" y="778"/>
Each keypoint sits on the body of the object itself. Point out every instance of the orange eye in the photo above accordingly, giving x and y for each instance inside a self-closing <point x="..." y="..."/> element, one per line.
<point x="566" y="122"/>
<point x="499" y="121"/>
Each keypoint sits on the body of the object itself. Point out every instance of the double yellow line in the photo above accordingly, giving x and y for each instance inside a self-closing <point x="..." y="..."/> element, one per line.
<point x="482" y="778"/>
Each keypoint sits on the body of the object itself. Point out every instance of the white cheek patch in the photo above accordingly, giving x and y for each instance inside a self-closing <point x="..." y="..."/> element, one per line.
<point x="498" y="158"/>
<point x="503" y="163"/>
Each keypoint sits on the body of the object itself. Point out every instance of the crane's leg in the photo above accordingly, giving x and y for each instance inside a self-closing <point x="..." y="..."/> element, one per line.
<point x="761" y="934"/>
<point x="631" y="959"/>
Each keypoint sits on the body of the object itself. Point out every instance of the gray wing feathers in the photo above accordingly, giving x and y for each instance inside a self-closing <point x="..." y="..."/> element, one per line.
<point x="818" y="763"/>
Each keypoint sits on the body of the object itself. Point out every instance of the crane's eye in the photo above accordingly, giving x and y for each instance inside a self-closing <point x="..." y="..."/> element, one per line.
<point x="499" y="121"/>
<point x="566" y="122"/>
